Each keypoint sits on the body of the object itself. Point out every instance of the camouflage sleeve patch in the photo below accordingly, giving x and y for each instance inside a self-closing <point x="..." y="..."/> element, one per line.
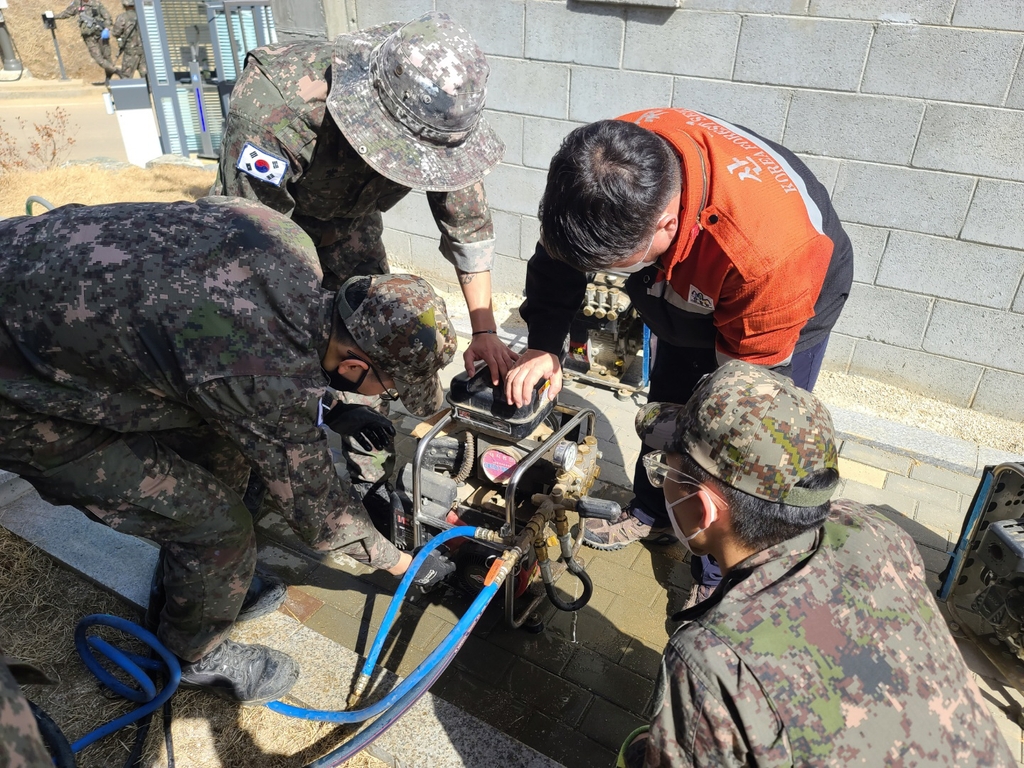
<point x="234" y="180"/>
<point x="469" y="257"/>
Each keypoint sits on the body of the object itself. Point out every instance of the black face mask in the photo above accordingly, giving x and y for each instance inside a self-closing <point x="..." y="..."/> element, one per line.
<point x="340" y="383"/>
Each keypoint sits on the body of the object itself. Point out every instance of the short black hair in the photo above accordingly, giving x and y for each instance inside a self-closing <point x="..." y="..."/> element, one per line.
<point x="607" y="187"/>
<point x="759" y="523"/>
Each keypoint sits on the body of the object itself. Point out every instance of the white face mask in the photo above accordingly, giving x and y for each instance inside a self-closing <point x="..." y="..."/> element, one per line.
<point x="643" y="263"/>
<point x="683" y="538"/>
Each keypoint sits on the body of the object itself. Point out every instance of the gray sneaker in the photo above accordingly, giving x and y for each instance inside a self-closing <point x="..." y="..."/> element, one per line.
<point x="246" y="674"/>
<point x="610" y="535"/>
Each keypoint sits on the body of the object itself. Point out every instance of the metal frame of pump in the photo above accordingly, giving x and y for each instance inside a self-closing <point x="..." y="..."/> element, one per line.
<point x="508" y="530"/>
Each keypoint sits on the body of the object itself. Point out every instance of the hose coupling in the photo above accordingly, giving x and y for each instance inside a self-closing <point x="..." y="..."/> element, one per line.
<point x="358" y="690"/>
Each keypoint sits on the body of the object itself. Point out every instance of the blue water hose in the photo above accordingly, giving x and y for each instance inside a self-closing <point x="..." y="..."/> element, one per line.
<point x="88" y="646"/>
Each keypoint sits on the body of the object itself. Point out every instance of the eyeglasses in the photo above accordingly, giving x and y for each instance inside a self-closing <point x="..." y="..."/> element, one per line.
<point x="389" y="395"/>
<point x="658" y="470"/>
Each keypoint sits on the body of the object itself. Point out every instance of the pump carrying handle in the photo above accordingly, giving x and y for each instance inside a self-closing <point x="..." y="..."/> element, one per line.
<point x="602" y="509"/>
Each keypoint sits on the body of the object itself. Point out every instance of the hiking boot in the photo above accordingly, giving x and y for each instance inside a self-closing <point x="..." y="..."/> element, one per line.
<point x="246" y="674"/>
<point x="610" y="535"/>
<point x="265" y="595"/>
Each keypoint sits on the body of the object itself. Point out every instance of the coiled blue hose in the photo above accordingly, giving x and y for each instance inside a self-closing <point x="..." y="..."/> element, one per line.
<point x="89" y="646"/>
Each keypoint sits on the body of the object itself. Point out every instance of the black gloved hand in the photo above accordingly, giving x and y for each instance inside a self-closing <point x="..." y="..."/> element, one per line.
<point x="362" y="423"/>
<point x="435" y="569"/>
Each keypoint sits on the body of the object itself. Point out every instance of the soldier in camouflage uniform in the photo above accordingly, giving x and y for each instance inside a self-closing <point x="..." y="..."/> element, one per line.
<point x="94" y="23"/>
<point x="129" y="41"/>
<point x="822" y="645"/>
<point x="332" y="134"/>
<point x="20" y="742"/>
<point x="151" y="353"/>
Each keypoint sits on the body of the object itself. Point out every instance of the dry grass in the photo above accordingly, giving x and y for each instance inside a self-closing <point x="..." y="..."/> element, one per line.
<point x="93" y="185"/>
<point x="35" y="45"/>
<point x="40" y="603"/>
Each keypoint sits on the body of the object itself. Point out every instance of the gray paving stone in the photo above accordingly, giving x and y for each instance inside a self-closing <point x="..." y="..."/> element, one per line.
<point x="761" y="108"/>
<point x="814" y="53"/>
<point x="876" y="457"/>
<point x="902" y="198"/>
<point x="496" y="27"/>
<point x="977" y="335"/>
<point x="599" y="94"/>
<point x="944" y="478"/>
<point x="579" y="34"/>
<point x="509" y="128"/>
<point x="852" y="125"/>
<point x="987" y="221"/>
<point x="934" y="376"/>
<point x="919" y="11"/>
<point x="927" y="495"/>
<point x="976" y="274"/>
<point x="608" y="724"/>
<point x="1015" y="98"/>
<point x="710" y="42"/>
<point x="825" y="170"/>
<point x="541" y="139"/>
<point x="885" y="315"/>
<point x="604" y="677"/>
<point x="528" y="87"/>
<point x="941" y="518"/>
<point x="972" y="66"/>
<point x="565" y="743"/>
<point x="993" y="14"/>
<point x="999" y="394"/>
<point x="551" y="694"/>
<point x="868" y="246"/>
<point x="515" y="189"/>
<point x="973" y="140"/>
<point x="12" y="488"/>
<point x="867" y="494"/>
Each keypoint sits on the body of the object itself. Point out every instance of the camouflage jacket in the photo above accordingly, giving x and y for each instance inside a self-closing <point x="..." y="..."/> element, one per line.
<point x="279" y="104"/>
<point x="93" y="17"/>
<point x="20" y="742"/>
<point x="142" y="317"/>
<point x="827" y="649"/>
<point x="126" y="31"/>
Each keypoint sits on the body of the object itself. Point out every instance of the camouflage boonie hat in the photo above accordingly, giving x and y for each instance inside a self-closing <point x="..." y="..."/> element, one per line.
<point x="752" y="429"/>
<point x="403" y="327"/>
<point x="412" y="107"/>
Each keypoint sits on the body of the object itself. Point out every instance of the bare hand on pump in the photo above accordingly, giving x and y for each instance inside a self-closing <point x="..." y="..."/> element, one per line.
<point x="533" y="366"/>
<point x="488" y="347"/>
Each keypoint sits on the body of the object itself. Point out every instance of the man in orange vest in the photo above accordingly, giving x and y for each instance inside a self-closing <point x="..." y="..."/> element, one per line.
<point x="734" y="250"/>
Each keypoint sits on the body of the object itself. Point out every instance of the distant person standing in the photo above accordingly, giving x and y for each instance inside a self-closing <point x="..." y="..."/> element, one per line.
<point x="94" y="23"/>
<point x="129" y="41"/>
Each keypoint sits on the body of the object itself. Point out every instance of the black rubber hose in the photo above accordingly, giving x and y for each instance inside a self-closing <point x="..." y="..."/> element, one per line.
<point x="468" y="457"/>
<point x="54" y="739"/>
<point x="588" y="589"/>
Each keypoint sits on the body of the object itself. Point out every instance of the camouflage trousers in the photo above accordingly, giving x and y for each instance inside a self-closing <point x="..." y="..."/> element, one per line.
<point x="20" y="742"/>
<point x="132" y="60"/>
<point x="180" y="488"/>
<point x="99" y="49"/>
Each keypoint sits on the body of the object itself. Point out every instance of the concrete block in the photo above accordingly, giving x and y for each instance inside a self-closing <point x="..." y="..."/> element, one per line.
<point x="881" y="314"/>
<point x="838" y="353"/>
<point x="976" y="274"/>
<point x="991" y="14"/>
<point x="506" y="233"/>
<point x="944" y="478"/>
<point x="902" y="198"/>
<point x="931" y="375"/>
<point x="579" y="34"/>
<point x="999" y="394"/>
<point x="636" y="3"/>
<point x="965" y="65"/>
<point x="529" y="235"/>
<point x="793" y="7"/>
<point x="854" y="126"/>
<point x="867" y="494"/>
<point x="412" y="214"/>
<point x="1015" y="98"/>
<point x="989" y="457"/>
<point x="868" y="245"/>
<point x="608" y="724"/>
<point x="397" y="246"/>
<point x="825" y="170"/>
<point x="598" y="94"/>
<point x="509" y="128"/>
<point x="425" y="259"/>
<point x="761" y="108"/>
<point x="701" y="44"/>
<point x="818" y="53"/>
<point x="370" y="13"/>
<point x="541" y="139"/>
<point x="515" y="189"/>
<point x="984" y="336"/>
<point x="508" y="275"/>
<point x="876" y="457"/>
<point x="987" y="219"/>
<point x="976" y="140"/>
<point x="528" y="87"/>
<point x="905" y="11"/>
<point x="496" y="27"/>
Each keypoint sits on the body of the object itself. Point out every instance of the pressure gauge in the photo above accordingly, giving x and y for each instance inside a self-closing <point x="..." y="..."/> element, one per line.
<point x="564" y="454"/>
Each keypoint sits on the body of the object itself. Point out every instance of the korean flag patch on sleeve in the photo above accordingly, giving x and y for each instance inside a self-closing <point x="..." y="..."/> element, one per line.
<point x="262" y="165"/>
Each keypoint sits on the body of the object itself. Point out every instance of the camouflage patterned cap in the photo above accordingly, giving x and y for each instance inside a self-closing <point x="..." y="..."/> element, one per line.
<point x="412" y="106"/>
<point x="403" y="327"/>
<point x="752" y="429"/>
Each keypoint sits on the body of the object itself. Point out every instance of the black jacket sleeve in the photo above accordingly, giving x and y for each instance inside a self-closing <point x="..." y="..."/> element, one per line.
<point x="554" y="294"/>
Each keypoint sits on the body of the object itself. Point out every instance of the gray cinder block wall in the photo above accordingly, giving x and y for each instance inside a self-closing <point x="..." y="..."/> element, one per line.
<point x="911" y="112"/>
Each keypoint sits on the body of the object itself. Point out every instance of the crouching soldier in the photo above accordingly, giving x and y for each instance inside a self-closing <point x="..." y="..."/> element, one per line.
<point x="151" y="354"/>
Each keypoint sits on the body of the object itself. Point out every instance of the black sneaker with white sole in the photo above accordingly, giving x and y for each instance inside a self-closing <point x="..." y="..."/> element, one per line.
<point x="245" y="674"/>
